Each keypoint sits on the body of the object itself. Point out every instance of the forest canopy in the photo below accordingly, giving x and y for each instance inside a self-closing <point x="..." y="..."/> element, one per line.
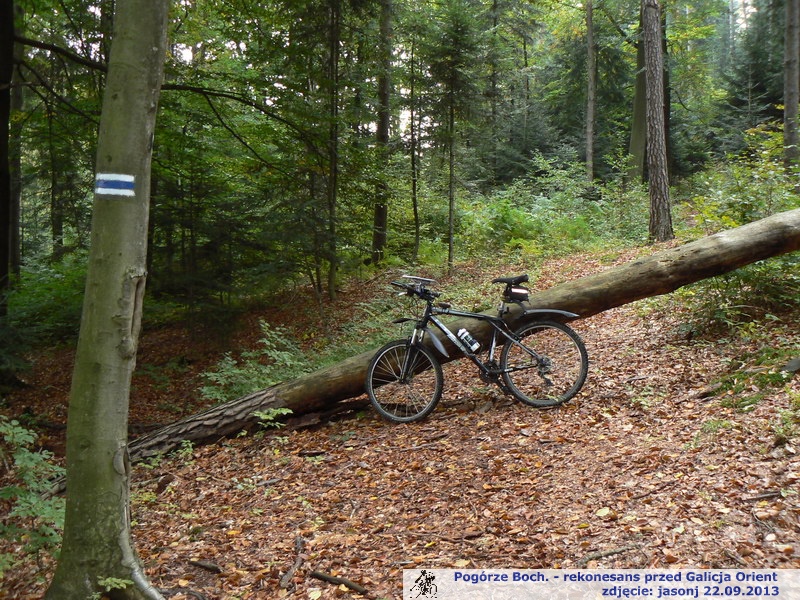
<point x="295" y="136"/>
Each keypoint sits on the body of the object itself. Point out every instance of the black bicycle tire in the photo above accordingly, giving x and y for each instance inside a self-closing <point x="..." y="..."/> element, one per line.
<point x="381" y="373"/>
<point x="540" y="400"/>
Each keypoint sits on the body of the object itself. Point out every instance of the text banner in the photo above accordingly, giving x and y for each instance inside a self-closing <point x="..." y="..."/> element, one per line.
<point x="596" y="584"/>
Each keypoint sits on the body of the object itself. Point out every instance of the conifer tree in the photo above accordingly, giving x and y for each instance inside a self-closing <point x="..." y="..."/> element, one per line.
<point x="657" y="172"/>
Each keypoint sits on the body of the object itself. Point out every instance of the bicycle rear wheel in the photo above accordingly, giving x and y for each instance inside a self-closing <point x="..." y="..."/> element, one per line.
<point x="548" y="366"/>
<point x="402" y="397"/>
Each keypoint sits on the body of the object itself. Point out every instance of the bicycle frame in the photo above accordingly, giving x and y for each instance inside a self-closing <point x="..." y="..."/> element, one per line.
<point x="499" y="330"/>
<point x="489" y="369"/>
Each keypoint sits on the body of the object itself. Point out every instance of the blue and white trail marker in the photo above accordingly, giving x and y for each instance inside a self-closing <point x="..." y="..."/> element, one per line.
<point x="114" y="184"/>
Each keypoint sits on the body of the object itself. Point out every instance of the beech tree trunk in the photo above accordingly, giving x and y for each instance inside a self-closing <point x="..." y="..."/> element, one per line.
<point x="97" y="545"/>
<point x="657" y="274"/>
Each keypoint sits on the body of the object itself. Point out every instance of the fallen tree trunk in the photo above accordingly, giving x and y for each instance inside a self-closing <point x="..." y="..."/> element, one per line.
<point x="657" y="274"/>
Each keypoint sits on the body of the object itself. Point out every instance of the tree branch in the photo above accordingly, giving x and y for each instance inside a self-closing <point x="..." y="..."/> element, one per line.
<point x="240" y="139"/>
<point x="208" y="92"/>
<point x="93" y="64"/>
<point x="73" y="56"/>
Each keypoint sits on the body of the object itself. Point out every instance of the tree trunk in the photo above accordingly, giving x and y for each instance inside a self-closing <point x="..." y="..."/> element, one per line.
<point x="97" y="542"/>
<point x="658" y="274"/>
<point x="657" y="172"/>
<point x="591" y="90"/>
<point x="332" y="191"/>
<point x="15" y="155"/>
<point x="413" y="148"/>
<point x="380" y="216"/>
<point x="638" y="140"/>
<point x="57" y="190"/>
<point x="451" y="181"/>
<point x="791" y="83"/>
<point x="494" y="94"/>
<point x="6" y="73"/>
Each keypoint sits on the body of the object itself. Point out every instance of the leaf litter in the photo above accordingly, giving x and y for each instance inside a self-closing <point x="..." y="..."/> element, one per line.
<point x="651" y="466"/>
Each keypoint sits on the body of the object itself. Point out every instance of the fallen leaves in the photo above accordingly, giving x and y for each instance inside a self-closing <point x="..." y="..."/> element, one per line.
<point x="647" y="468"/>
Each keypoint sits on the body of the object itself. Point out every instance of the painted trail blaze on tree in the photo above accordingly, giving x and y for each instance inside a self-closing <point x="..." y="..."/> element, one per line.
<point x="115" y="184"/>
<point x="97" y="551"/>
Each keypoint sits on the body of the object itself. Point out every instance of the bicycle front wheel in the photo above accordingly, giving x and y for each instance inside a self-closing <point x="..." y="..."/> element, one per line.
<point x="547" y="366"/>
<point x="404" y="382"/>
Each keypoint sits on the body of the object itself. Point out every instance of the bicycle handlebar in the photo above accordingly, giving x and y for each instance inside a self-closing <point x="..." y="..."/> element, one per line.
<point x="416" y="289"/>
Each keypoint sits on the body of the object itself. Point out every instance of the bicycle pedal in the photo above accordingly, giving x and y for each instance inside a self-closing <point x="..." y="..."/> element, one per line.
<point x="503" y="387"/>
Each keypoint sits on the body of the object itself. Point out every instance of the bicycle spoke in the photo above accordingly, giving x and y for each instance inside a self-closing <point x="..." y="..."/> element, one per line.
<point x="404" y="397"/>
<point x="547" y="367"/>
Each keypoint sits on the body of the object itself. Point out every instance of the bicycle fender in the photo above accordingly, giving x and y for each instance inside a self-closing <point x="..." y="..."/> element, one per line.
<point x="436" y="341"/>
<point x="553" y="311"/>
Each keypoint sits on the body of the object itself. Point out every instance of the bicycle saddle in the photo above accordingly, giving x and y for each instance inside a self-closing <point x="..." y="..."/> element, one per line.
<point x="512" y="280"/>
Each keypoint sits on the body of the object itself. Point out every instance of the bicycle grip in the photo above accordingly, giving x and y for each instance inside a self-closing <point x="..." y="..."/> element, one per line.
<point x="407" y="289"/>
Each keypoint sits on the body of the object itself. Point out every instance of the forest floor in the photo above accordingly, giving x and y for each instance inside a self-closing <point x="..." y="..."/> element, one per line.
<point x="680" y="452"/>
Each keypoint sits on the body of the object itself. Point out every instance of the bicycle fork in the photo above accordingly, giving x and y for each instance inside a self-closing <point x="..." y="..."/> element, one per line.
<point x="407" y="368"/>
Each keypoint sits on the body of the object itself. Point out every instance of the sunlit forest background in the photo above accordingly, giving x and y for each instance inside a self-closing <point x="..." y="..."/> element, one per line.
<point x="300" y="143"/>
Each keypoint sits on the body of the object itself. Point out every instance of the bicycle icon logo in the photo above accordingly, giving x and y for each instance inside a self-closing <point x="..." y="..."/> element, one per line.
<point x="424" y="586"/>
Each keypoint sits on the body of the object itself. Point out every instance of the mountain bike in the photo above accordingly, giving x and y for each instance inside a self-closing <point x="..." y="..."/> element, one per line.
<point x="543" y="363"/>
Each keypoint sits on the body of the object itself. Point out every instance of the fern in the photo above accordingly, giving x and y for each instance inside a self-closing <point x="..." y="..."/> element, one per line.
<point x="277" y="358"/>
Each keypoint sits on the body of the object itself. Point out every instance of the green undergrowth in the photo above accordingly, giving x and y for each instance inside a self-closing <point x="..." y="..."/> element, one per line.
<point x="276" y="358"/>
<point x="761" y="368"/>
<point x="31" y="519"/>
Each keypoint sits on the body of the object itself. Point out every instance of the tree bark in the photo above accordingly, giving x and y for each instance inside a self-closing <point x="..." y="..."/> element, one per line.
<point x="413" y="149"/>
<point x="658" y="274"/>
<point x="381" y="207"/>
<point x="451" y="181"/>
<point x="332" y="191"/>
<point x="657" y="171"/>
<point x="6" y="75"/>
<point x="97" y="542"/>
<point x="791" y="83"/>
<point x="638" y="139"/>
<point x="591" y="90"/>
<point x="15" y="155"/>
